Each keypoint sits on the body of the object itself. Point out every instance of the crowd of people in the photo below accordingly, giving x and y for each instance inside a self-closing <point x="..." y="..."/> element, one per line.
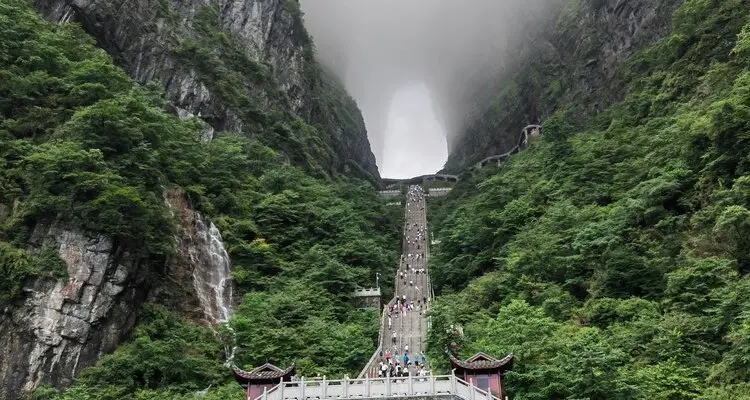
<point x="411" y="289"/>
<point x="399" y="365"/>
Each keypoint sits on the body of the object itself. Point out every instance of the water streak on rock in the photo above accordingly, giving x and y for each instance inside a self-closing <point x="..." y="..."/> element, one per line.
<point x="212" y="279"/>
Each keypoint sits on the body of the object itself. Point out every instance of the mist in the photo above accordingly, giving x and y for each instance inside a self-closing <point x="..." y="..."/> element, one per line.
<point x="420" y="69"/>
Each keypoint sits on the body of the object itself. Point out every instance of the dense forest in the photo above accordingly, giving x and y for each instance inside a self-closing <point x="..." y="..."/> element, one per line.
<point x="612" y="256"/>
<point x="84" y="145"/>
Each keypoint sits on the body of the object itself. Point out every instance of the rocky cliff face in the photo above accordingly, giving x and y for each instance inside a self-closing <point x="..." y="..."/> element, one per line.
<point x="63" y="326"/>
<point x="270" y="53"/>
<point x="575" y="59"/>
<point x="198" y="276"/>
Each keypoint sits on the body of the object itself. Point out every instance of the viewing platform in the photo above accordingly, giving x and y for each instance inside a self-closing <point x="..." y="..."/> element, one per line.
<point x="367" y="298"/>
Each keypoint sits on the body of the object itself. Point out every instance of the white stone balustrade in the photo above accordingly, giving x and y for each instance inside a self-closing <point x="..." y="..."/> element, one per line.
<point x="371" y="388"/>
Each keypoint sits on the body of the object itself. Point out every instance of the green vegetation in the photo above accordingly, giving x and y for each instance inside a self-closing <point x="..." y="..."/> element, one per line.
<point x="322" y="142"/>
<point x="614" y="261"/>
<point x="85" y="146"/>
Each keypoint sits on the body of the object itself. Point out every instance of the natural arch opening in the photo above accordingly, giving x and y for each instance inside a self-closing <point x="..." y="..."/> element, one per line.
<point x="415" y="142"/>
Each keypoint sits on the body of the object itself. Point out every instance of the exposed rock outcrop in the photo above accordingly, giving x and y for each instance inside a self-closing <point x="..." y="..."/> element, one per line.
<point x="142" y="36"/>
<point x="63" y="326"/>
<point x="574" y="60"/>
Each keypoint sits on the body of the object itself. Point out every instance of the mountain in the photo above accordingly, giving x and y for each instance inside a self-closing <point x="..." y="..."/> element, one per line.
<point x="161" y="162"/>
<point x="572" y="62"/>
<point x="611" y="255"/>
<point x="241" y="66"/>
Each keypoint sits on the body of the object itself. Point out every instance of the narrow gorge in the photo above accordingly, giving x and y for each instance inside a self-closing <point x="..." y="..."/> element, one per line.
<point x="190" y="188"/>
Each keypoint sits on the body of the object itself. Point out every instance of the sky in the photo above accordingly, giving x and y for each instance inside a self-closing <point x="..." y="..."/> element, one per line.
<point x="420" y="70"/>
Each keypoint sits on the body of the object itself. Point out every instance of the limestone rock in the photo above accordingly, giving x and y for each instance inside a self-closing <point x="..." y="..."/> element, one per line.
<point x="578" y="57"/>
<point x="62" y="326"/>
<point x="140" y="34"/>
<point x="200" y="284"/>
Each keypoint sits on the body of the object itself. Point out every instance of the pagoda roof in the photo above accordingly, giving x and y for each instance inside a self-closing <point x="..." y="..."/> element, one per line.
<point x="264" y="372"/>
<point x="482" y="361"/>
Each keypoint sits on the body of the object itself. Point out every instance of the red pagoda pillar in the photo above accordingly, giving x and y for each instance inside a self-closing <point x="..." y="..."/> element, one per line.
<point x="484" y="372"/>
<point x="262" y="378"/>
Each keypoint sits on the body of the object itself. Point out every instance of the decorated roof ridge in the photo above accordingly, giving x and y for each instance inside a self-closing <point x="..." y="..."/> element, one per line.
<point x="266" y="366"/>
<point x="265" y="371"/>
<point x="474" y="362"/>
<point x="485" y="356"/>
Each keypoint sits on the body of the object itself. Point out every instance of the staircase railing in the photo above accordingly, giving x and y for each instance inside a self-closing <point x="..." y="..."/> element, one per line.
<point x="364" y="388"/>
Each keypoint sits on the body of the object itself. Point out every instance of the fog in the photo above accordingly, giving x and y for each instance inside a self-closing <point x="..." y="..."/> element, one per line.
<point x="419" y="69"/>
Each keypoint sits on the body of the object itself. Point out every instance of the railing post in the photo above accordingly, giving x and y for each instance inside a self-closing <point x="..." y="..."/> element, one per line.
<point x="281" y="389"/>
<point x="472" y="390"/>
<point x="324" y="388"/>
<point x="453" y="384"/>
<point x="346" y="386"/>
<point x="367" y="386"/>
<point x="302" y="389"/>
<point x="432" y="384"/>
<point x="265" y="393"/>
<point x="388" y="384"/>
<point x="411" y="385"/>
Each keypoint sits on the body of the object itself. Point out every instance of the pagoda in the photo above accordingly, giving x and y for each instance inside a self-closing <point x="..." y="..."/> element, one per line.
<point x="262" y="378"/>
<point x="483" y="371"/>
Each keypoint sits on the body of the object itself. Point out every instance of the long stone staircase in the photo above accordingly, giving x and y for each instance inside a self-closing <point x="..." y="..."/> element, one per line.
<point x="412" y="285"/>
<point x="406" y="328"/>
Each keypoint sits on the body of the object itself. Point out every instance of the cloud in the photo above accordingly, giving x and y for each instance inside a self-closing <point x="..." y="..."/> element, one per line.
<point x="451" y="48"/>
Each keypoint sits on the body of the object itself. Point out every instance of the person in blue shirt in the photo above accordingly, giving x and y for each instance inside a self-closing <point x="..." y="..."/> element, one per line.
<point x="424" y="359"/>
<point x="406" y="359"/>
